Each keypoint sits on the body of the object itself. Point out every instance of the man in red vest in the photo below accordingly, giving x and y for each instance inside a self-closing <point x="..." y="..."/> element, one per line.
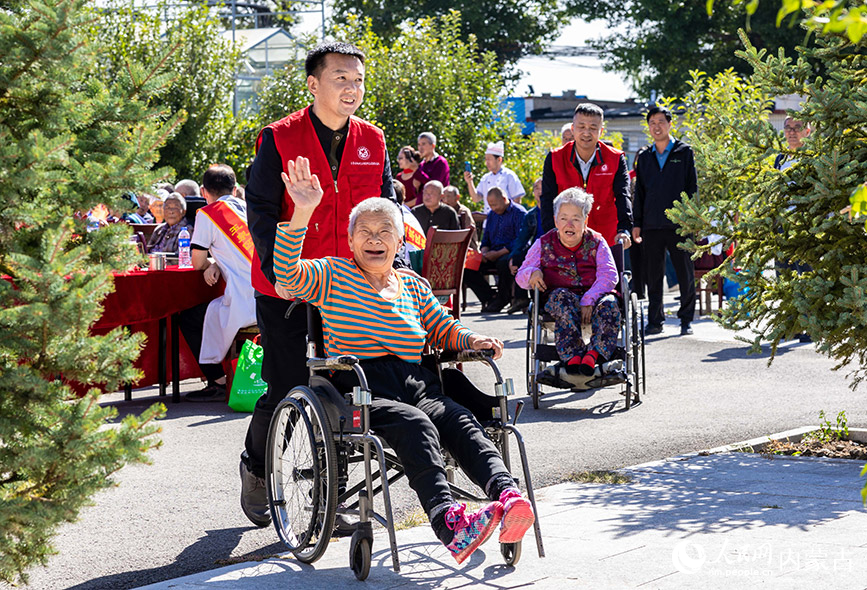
<point x="587" y="163"/>
<point x="351" y="153"/>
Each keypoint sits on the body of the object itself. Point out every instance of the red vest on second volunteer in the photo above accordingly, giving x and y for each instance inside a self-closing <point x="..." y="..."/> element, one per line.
<point x="359" y="177"/>
<point x="600" y="184"/>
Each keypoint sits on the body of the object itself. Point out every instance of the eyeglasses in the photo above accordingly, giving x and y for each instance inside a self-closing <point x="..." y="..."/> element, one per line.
<point x="795" y="128"/>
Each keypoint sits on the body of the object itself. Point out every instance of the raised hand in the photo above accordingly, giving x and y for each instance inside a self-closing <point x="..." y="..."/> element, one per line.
<point x="302" y="186"/>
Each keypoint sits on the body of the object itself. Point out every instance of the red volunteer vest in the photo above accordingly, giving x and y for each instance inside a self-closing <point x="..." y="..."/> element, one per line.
<point x="600" y="184"/>
<point x="359" y="177"/>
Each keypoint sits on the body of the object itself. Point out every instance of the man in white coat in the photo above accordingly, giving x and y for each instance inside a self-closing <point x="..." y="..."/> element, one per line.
<point x="210" y="328"/>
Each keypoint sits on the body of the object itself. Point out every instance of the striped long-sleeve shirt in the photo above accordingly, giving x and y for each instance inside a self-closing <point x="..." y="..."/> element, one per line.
<point x="356" y="319"/>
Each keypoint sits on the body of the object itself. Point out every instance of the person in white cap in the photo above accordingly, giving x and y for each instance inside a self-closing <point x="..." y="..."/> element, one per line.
<point x="497" y="176"/>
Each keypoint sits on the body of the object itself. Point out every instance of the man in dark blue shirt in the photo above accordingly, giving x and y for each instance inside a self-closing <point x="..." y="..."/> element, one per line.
<point x="501" y="229"/>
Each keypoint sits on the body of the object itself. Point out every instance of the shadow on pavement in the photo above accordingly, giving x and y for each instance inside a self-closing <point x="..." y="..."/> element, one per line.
<point x="741" y="353"/>
<point x="215" y="548"/>
<point x="721" y="494"/>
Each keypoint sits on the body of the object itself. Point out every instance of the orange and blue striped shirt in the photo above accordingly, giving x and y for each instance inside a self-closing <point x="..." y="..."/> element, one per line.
<point x="356" y="319"/>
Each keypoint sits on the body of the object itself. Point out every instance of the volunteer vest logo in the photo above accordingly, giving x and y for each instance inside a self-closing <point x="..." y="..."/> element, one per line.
<point x="363" y="153"/>
<point x="604" y="167"/>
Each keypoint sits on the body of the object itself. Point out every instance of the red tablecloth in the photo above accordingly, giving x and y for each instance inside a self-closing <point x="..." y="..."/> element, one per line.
<point x="141" y="299"/>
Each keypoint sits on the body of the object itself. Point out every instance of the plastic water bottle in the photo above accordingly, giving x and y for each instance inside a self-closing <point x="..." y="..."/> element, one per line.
<point x="185" y="259"/>
<point x="92" y="223"/>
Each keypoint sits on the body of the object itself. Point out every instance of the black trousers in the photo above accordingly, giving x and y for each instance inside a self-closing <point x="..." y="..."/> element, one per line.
<point x="192" y="322"/>
<point x="479" y="284"/>
<point x="656" y="243"/>
<point x="634" y="259"/>
<point x="411" y="413"/>
<point x="284" y="366"/>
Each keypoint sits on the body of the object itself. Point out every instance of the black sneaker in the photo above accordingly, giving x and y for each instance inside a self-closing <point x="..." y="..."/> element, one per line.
<point x="685" y="330"/>
<point x="254" y="497"/>
<point x="518" y="305"/>
<point x="211" y="393"/>
<point x="653" y="329"/>
<point x="344" y="524"/>
<point x="494" y="306"/>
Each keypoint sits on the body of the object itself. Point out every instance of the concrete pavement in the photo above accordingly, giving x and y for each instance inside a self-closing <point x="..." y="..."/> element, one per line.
<point x="179" y="516"/>
<point x="730" y="520"/>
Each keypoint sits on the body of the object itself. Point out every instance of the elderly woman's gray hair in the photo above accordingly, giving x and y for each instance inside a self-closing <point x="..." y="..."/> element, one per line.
<point x="179" y="198"/>
<point x="377" y="206"/>
<point x="574" y="196"/>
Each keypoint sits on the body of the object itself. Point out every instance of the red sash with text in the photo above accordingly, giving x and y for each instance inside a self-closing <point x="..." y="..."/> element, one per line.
<point x="232" y="225"/>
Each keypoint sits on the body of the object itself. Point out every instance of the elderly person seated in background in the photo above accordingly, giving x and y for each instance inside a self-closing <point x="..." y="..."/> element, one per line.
<point x="433" y="212"/>
<point x="165" y="236"/>
<point x="574" y="264"/>
<point x="156" y="205"/>
<point x="385" y="319"/>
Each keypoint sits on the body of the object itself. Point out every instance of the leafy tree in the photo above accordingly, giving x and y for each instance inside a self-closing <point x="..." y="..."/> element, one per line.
<point x="202" y="91"/>
<point x="449" y="87"/>
<point x="509" y="28"/>
<point x="71" y="138"/>
<point x="654" y="43"/>
<point x="830" y="16"/>
<point x="793" y="215"/>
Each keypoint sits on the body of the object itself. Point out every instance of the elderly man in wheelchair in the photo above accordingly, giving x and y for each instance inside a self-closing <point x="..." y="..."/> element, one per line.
<point x="574" y="265"/>
<point x="385" y="319"/>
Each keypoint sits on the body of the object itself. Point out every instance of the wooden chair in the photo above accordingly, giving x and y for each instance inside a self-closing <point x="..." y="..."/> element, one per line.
<point x="443" y="264"/>
<point x="705" y="288"/>
<point x="146" y="229"/>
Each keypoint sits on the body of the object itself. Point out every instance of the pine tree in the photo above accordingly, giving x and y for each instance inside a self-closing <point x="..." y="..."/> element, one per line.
<point x="794" y="215"/>
<point x="69" y="138"/>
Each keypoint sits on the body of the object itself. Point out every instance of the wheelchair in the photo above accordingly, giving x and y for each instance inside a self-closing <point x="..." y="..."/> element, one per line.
<point x="317" y="434"/>
<point x="626" y="368"/>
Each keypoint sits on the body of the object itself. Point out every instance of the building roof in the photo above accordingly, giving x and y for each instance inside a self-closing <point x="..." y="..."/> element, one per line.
<point x="250" y="38"/>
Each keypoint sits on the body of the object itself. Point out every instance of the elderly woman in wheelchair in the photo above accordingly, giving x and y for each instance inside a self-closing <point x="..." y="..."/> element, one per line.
<point x="385" y="318"/>
<point x="574" y="265"/>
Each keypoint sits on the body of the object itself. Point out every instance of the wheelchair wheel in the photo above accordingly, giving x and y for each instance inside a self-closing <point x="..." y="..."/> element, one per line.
<point x="637" y="351"/>
<point x="301" y="475"/>
<point x="359" y="557"/>
<point x="511" y="552"/>
<point x="643" y="357"/>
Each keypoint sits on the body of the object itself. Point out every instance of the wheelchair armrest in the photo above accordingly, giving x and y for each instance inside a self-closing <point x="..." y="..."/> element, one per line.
<point x="337" y="363"/>
<point x="465" y="356"/>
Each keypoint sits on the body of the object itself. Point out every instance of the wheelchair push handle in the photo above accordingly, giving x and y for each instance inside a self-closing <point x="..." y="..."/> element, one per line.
<point x="337" y="363"/>
<point x="466" y="356"/>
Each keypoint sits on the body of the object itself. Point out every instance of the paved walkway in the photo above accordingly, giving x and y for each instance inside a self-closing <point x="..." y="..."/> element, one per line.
<point x="729" y="520"/>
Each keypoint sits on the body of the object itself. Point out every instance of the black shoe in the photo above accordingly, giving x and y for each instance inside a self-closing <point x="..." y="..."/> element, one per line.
<point x="254" y="498"/>
<point x="653" y="329"/>
<point x="518" y="305"/>
<point x="344" y="524"/>
<point x="685" y="330"/>
<point x="215" y="392"/>
<point x="494" y="307"/>
<point x="804" y="338"/>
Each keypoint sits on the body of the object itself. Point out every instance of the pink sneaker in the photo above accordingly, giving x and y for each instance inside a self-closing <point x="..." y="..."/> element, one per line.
<point x="517" y="516"/>
<point x="473" y="530"/>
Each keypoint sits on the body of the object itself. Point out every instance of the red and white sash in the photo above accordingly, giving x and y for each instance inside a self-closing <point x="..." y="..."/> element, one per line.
<point x="232" y="225"/>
